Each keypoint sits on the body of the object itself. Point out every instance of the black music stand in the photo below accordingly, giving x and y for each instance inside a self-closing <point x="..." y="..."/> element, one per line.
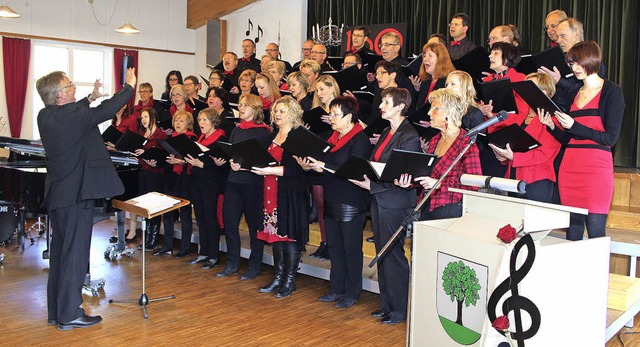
<point x="131" y="206"/>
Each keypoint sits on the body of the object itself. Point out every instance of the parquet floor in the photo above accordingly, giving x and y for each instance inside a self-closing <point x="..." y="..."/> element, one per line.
<point x="208" y="311"/>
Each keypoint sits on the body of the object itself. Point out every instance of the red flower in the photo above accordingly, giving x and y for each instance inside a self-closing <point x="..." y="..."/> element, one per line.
<point x="501" y="323"/>
<point x="507" y="233"/>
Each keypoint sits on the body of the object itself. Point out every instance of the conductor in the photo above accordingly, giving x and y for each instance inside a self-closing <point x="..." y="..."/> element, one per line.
<point x="79" y="170"/>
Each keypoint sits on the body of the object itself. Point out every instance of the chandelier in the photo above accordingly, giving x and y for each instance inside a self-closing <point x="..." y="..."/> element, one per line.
<point x="328" y="35"/>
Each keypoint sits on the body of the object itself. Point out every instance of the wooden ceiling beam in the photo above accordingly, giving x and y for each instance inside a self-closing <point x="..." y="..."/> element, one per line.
<point x="199" y="11"/>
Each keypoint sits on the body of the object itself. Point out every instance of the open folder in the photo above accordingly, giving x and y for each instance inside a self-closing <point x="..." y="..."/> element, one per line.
<point x="416" y="164"/>
<point x="130" y="141"/>
<point x="313" y="118"/>
<point x="154" y="153"/>
<point x="350" y="78"/>
<point x="534" y="97"/>
<point x="111" y="134"/>
<point x="248" y="153"/>
<point x="181" y="146"/>
<point x="302" y="142"/>
<point x="355" y="168"/>
<point x="553" y="57"/>
<point x="518" y="139"/>
<point x="500" y="92"/>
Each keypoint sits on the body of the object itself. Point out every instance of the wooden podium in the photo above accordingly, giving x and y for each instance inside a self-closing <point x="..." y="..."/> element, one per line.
<point x="458" y="265"/>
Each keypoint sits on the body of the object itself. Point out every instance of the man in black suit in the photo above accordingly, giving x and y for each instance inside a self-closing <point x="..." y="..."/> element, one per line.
<point x="248" y="60"/>
<point x="79" y="170"/>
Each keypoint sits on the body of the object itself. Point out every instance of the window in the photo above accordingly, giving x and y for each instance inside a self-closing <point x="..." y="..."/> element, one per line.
<point x="82" y="63"/>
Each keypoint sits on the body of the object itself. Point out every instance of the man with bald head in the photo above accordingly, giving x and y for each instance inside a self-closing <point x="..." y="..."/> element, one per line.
<point x="319" y="55"/>
<point x="273" y="50"/>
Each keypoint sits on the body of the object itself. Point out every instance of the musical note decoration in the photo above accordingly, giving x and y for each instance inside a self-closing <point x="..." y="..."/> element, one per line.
<point x="517" y="302"/>
<point x="249" y="28"/>
<point x="260" y="34"/>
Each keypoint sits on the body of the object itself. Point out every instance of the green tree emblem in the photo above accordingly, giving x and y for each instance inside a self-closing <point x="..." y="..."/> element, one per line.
<point x="461" y="284"/>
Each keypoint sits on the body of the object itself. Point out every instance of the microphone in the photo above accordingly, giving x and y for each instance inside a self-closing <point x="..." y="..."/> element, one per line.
<point x="502" y="115"/>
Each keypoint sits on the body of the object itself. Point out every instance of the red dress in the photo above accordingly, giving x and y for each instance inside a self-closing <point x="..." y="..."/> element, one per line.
<point x="269" y="233"/>
<point x="585" y="178"/>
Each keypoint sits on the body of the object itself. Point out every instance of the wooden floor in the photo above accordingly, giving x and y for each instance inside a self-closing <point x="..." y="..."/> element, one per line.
<point x="208" y="311"/>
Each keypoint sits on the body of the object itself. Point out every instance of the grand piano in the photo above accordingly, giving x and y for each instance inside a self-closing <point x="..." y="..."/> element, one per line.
<point x="22" y="179"/>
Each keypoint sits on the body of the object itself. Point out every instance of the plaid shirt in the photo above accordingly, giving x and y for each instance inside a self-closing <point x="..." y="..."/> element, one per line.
<point x="469" y="164"/>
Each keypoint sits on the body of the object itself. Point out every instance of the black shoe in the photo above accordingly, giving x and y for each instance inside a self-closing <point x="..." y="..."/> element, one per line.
<point x="81" y="322"/>
<point x="324" y="255"/>
<point x="182" y="255"/>
<point x="113" y="239"/>
<point x="330" y="297"/>
<point x="199" y="259"/>
<point x="210" y="264"/>
<point x="132" y="239"/>
<point x="249" y="275"/>
<point x="346" y="302"/>
<point x="52" y="322"/>
<point x="378" y="314"/>
<point x="228" y="271"/>
<point x="371" y="239"/>
<point x="388" y="320"/>
<point x="319" y="251"/>
<point x="162" y="252"/>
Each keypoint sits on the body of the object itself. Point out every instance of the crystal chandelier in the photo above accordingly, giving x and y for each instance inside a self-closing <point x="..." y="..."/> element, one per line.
<point x="328" y="35"/>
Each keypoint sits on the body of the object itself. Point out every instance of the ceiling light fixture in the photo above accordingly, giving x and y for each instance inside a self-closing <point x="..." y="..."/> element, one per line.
<point x="8" y="12"/>
<point x="127" y="28"/>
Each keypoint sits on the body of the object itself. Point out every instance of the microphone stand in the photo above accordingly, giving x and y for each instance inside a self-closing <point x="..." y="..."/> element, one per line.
<point x="418" y="207"/>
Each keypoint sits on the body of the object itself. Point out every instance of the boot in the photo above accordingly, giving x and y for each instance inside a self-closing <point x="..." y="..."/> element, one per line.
<point x="278" y="269"/>
<point x="154" y="231"/>
<point x="321" y="249"/>
<point x="291" y="260"/>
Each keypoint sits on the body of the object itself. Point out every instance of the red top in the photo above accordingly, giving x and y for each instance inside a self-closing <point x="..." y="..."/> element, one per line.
<point x="523" y="108"/>
<point x="431" y="86"/>
<point x="592" y="121"/>
<point x="177" y="168"/>
<point x="127" y="123"/>
<point x="152" y="142"/>
<point x="384" y="144"/>
<point x="137" y="109"/>
<point x="469" y="164"/>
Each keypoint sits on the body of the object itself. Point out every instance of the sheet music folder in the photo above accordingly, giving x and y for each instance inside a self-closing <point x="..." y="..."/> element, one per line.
<point x="553" y="57"/>
<point x="534" y="97"/>
<point x="249" y="153"/>
<point x="515" y="136"/>
<point x="416" y="164"/>
<point x="500" y="92"/>
<point x="303" y="143"/>
<point x="154" y="153"/>
<point x="151" y="204"/>
<point x="350" y="78"/>
<point x="111" y="134"/>
<point x="130" y="141"/>
<point x="314" y="120"/>
<point x="181" y="146"/>
<point x="355" y="168"/>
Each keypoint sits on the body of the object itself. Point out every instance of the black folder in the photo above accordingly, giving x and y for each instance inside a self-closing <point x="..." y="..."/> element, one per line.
<point x="154" y="153"/>
<point x="553" y="57"/>
<point x="350" y="78"/>
<point x="181" y="146"/>
<point x="199" y="105"/>
<point x="416" y="164"/>
<point x="130" y="141"/>
<point x="363" y="95"/>
<point x="335" y="63"/>
<point x="249" y="153"/>
<point x="526" y="65"/>
<point x="475" y="63"/>
<point x="534" y="97"/>
<point x="500" y="92"/>
<point x="313" y="119"/>
<point x="369" y="60"/>
<point x="111" y="134"/>
<point x="515" y="136"/>
<point x="302" y="142"/>
<point x="424" y="132"/>
<point x="413" y="68"/>
<point x="355" y="168"/>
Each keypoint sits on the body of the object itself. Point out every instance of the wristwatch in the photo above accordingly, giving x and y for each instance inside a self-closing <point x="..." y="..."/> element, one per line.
<point x="90" y="98"/>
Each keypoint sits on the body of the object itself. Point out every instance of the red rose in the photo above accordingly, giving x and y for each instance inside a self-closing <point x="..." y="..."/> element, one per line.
<point x="501" y="323"/>
<point x="507" y="233"/>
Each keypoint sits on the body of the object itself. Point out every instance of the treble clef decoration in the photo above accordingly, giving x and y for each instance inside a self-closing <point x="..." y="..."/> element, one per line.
<point x="516" y="302"/>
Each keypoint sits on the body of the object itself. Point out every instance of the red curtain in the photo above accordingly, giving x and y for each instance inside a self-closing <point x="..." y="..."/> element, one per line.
<point x="16" y="53"/>
<point x="118" y="55"/>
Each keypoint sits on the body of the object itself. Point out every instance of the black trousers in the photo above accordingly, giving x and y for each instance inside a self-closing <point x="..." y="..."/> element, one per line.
<point x="393" y="267"/>
<point x="204" y="197"/>
<point x="541" y="190"/>
<point x="178" y="186"/>
<point x="247" y="199"/>
<point x="344" y="240"/>
<point x="69" y="259"/>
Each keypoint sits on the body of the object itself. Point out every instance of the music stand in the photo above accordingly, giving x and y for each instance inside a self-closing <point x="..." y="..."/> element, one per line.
<point x="133" y="207"/>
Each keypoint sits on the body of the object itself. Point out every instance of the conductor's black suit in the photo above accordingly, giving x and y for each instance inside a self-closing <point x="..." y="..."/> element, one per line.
<point x="79" y="170"/>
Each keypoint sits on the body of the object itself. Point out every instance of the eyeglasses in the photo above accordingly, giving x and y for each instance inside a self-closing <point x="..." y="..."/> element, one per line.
<point x="335" y="115"/>
<point x="550" y="26"/>
<point x="214" y="78"/>
<point x="318" y="52"/>
<point x="71" y="84"/>
<point x="387" y="44"/>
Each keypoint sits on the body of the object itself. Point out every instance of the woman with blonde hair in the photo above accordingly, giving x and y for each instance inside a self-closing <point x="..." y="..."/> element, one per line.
<point x="299" y="86"/>
<point x="286" y="224"/>
<point x="462" y="82"/>
<point x="277" y="70"/>
<point x="311" y="69"/>
<point x="268" y="91"/>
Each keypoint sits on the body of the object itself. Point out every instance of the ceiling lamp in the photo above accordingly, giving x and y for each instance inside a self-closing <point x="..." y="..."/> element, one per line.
<point x="7" y="12"/>
<point x="127" y="28"/>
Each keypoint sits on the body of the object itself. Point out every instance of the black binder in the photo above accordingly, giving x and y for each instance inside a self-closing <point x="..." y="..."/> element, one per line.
<point x="350" y="78"/>
<point x="413" y="68"/>
<point x="474" y="63"/>
<point x="515" y="136"/>
<point x="553" y="57"/>
<point x="500" y="92"/>
<point x="302" y="142"/>
<point x="181" y="146"/>
<point x="313" y="119"/>
<point x="154" y="153"/>
<point x="249" y="153"/>
<point x="369" y="60"/>
<point x="425" y="132"/>
<point x="526" y="65"/>
<point x="534" y="97"/>
<point x="355" y="168"/>
<point x="111" y="134"/>
<point x="417" y="164"/>
<point x="335" y="63"/>
<point x="130" y="141"/>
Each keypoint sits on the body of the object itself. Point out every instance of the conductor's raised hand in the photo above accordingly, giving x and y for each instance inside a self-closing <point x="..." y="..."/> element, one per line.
<point x="95" y="93"/>
<point x="131" y="77"/>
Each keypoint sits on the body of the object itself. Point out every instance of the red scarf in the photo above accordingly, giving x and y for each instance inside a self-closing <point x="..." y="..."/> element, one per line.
<point x="174" y="109"/>
<point x="177" y="168"/>
<point x="244" y="125"/>
<point x="431" y="86"/>
<point x="206" y="141"/>
<point x="340" y="142"/>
